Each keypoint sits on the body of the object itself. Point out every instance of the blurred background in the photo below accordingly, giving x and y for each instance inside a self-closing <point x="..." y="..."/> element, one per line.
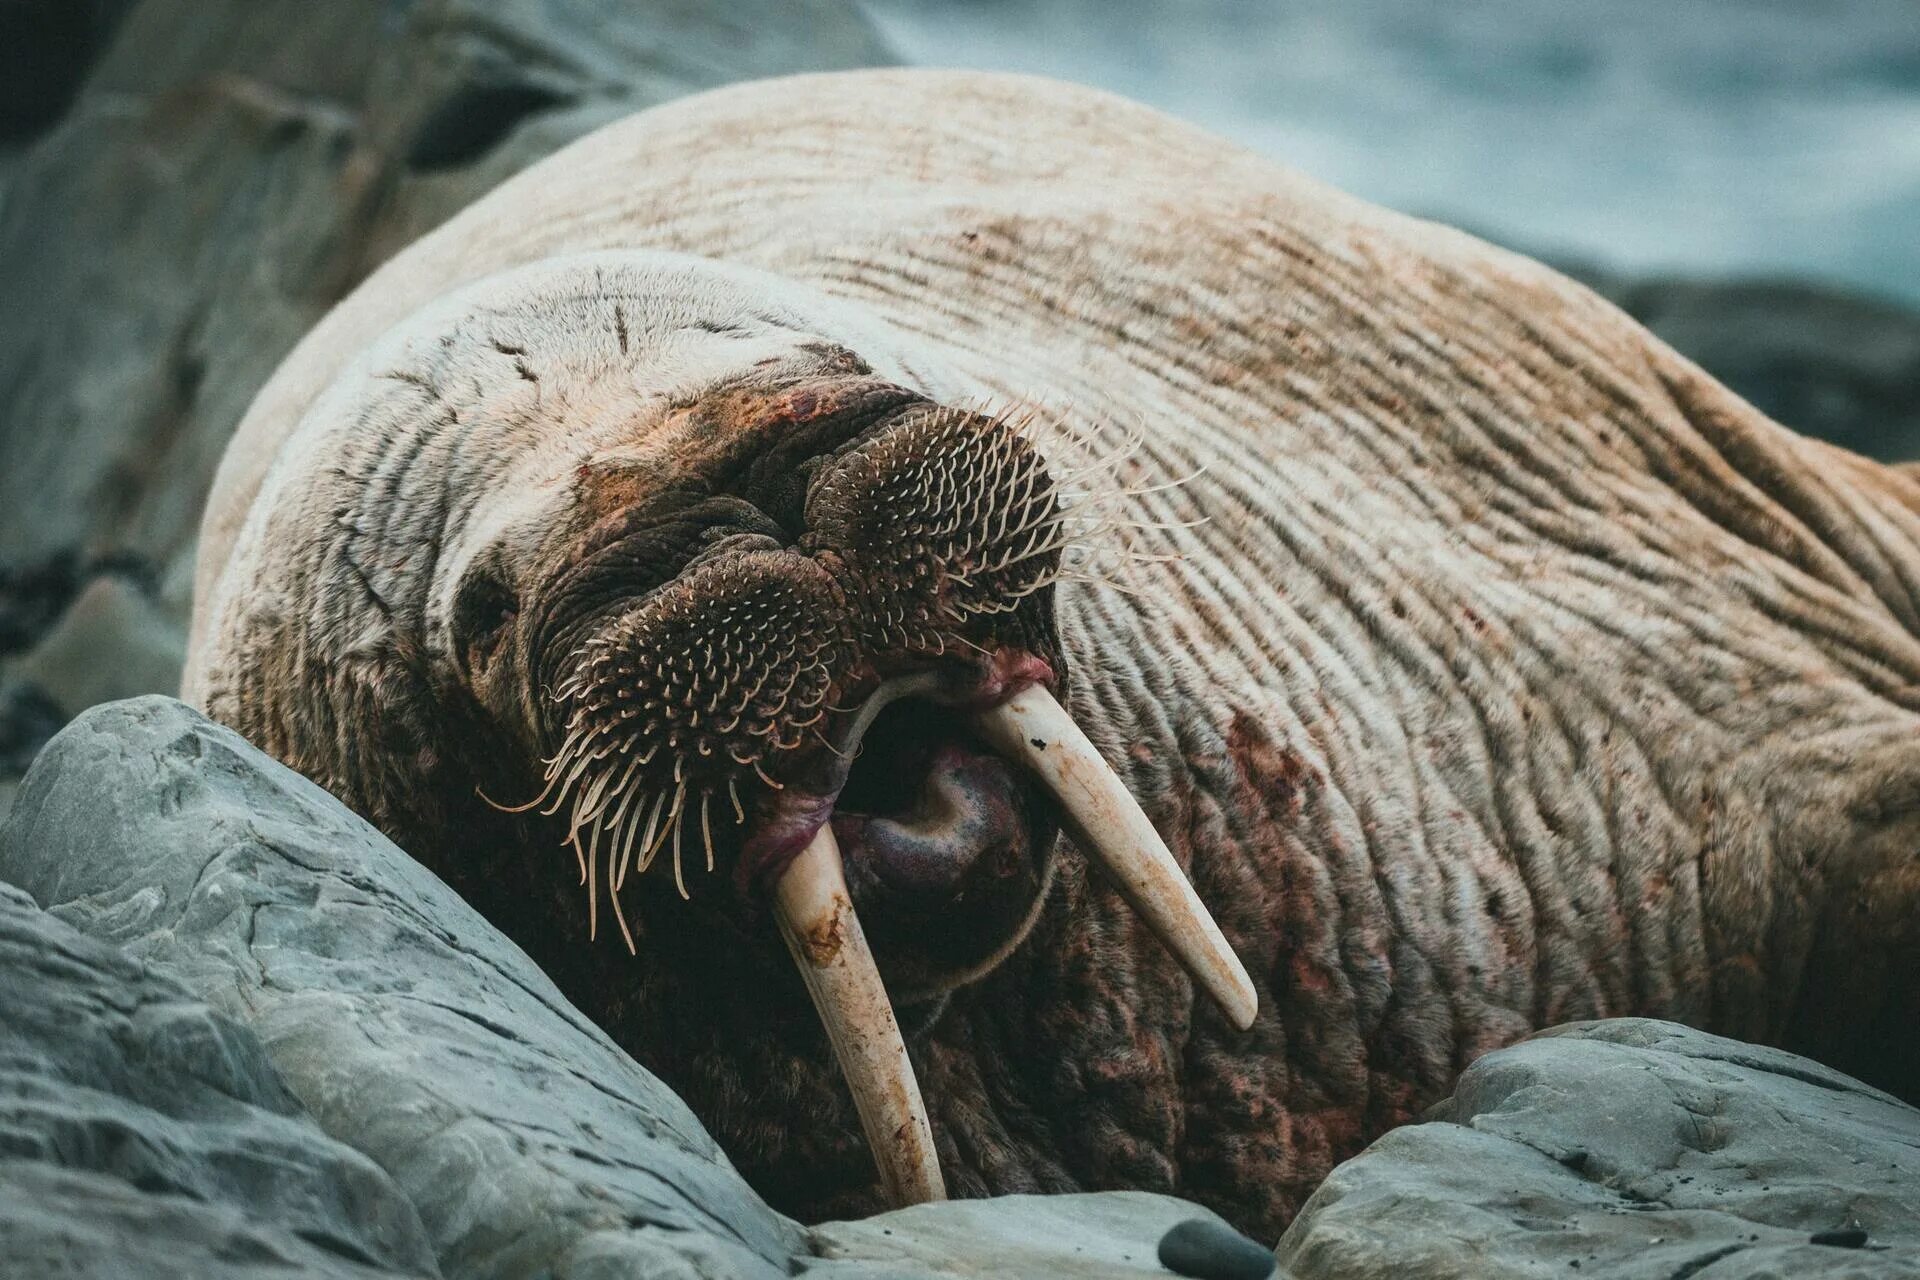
<point x="1742" y="175"/>
<point x="1722" y="137"/>
<point x="187" y="185"/>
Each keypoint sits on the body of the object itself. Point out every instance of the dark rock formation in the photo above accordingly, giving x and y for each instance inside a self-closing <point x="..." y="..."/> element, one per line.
<point x="414" y="1033"/>
<point x="1629" y="1149"/>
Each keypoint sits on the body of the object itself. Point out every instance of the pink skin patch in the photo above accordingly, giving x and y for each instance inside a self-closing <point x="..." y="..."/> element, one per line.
<point x="968" y="809"/>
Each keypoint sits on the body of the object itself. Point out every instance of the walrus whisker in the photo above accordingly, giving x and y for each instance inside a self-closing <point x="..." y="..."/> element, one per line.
<point x="1109" y="463"/>
<point x="574" y="731"/>
<point x="1164" y="486"/>
<point x="679" y="882"/>
<point x="630" y="826"/>
<point x="592" y="794"/>
<point x="620" y="917"/>
<point x="706" y="829"/>
<point x="619" y="818"/>
<point x="733" y="793"/>
<point x="491" y="803"/>
<point x="654" y="844"/>
<point x="825" y="742"/>
<point x="592" y="893"/>
<point x="1108" y="523"/>
<point x="566" y="788"/>
<point x="1096" y="580"/>
<point x="593" y="881"/>
<point x="573" y="838"/>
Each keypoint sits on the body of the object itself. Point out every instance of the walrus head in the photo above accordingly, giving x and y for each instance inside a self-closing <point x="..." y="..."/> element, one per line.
<point x="738" y="610"/>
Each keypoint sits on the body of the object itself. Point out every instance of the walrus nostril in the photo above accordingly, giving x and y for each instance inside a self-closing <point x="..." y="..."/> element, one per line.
<point x="939" y="520"/>
<point x="679" y="700"/>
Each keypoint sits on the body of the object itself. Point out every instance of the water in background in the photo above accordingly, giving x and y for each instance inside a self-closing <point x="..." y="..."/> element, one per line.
<point x="1695" y="137"/>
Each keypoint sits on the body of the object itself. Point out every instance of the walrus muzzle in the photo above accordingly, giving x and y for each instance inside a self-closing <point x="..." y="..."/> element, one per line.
<point x="931" y="545"/>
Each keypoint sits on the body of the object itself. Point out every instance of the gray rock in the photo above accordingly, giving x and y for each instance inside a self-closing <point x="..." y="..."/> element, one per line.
<point x="1629" y="1148"/>
<point x="141" y="1133"/>
<point x="186" y="186"/>
<point x="409" y="1027"/>
<point x="1106" y="1236"/>
<point x="412" y="1031"/>
<point x="113" y="642"/>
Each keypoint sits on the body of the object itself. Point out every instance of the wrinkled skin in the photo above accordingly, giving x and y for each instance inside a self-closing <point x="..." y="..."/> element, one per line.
<point x="1518" y="674"/>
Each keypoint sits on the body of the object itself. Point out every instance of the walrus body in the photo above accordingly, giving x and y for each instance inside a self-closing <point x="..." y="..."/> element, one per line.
<point x="1518" y="672"/>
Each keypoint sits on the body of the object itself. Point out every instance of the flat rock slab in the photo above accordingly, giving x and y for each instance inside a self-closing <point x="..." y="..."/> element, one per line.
<point x="415" y="1034"/>
<point x="1111" y="1234"/>
<point x="144" y="1134"/>
<point x="1629" y="1148"/>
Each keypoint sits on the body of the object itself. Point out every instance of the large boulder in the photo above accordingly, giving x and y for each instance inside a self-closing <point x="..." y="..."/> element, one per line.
<point x="186" y="186"/>
<point x="414" y="1033"/>
<point x="1629" y="1150"/>
<point x="142" y="1133"/>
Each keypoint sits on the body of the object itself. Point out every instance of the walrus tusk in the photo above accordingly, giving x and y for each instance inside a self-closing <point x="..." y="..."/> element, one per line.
<point x="817" y="920"/>
<point x="1033" y="729"/>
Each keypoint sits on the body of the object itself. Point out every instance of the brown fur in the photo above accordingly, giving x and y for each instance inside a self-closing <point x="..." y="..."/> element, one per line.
<point x="1519" y="674"/>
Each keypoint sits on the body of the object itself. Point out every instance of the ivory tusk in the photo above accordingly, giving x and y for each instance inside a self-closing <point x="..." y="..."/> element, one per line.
<point x="823" y="933"/>
<point x="1108" y="823"/>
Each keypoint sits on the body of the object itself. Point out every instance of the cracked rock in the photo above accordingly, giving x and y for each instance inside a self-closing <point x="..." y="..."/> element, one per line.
<point x="144" y="1134"/>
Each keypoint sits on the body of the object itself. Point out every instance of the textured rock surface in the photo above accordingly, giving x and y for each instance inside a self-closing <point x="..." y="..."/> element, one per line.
<point x="141" y="1133"/>
<point x="1629" y="1149"/>
<point x="413" y="1032"/>
<point x="524" y="1140"/>
<point x="1110" y="1234"/>
<point x="187" y="185"/>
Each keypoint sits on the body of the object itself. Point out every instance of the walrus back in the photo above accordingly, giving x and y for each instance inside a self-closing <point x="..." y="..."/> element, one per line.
<point x="863" y="183"/>
<point x="1517" y="672"/>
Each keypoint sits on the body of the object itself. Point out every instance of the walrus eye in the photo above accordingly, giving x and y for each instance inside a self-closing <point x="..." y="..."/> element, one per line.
<point x="483" y="613"/>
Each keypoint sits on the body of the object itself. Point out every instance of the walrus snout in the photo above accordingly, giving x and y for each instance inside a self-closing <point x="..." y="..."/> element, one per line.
<point x="910" y="616"/>
<point x="947" y="527"/>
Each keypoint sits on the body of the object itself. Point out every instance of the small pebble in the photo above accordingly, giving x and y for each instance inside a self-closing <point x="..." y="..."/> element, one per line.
<point x="1207" y="1250"/>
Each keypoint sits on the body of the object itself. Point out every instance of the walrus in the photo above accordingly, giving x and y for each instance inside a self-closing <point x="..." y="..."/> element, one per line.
<point x="1000" y="643"/>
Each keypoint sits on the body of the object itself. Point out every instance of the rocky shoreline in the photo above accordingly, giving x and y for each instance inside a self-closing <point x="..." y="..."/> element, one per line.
<point x="241" y="1033"/>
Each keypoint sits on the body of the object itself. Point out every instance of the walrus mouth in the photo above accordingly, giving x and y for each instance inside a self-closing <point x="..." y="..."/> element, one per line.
<point x="752" y="680"/>
<point x="815" y="911"/>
